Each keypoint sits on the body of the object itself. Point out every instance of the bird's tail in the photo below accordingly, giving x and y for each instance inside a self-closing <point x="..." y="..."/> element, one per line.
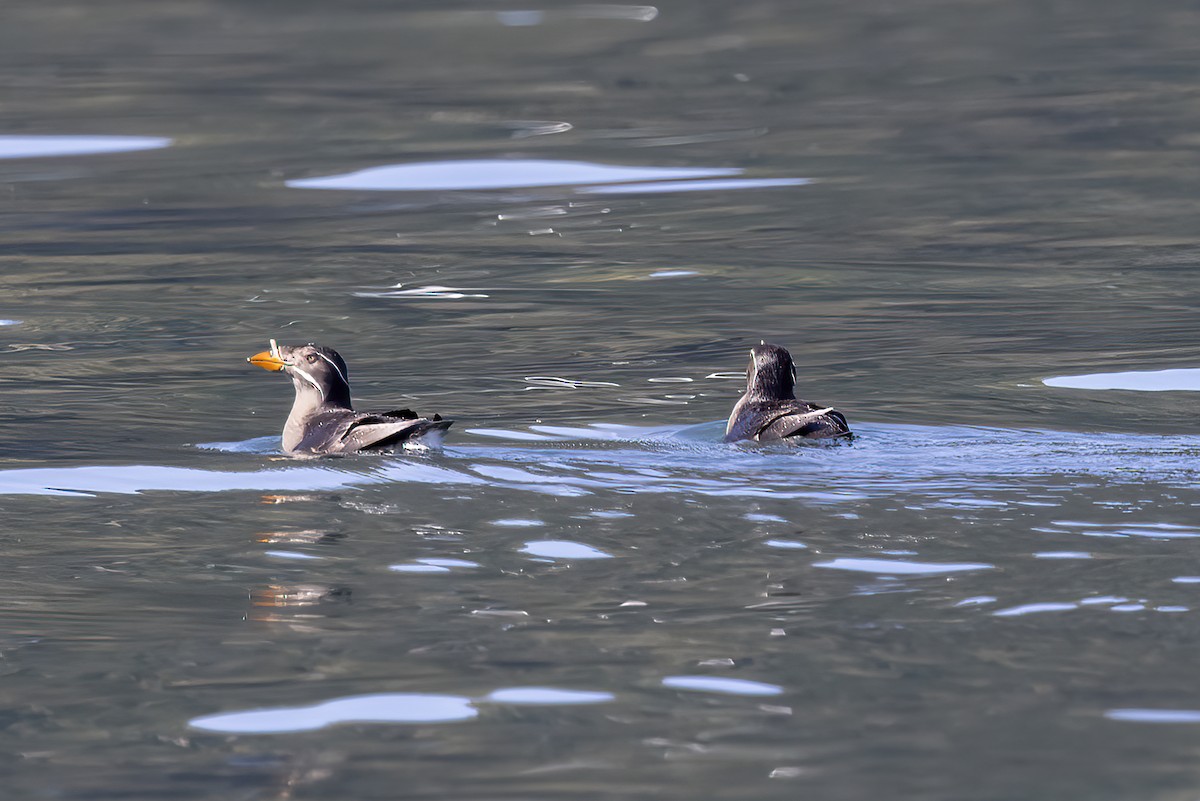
<point x="429" y="434"/>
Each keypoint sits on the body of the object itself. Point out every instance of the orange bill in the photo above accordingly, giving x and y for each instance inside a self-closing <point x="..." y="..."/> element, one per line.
<point x="267" y="361"/>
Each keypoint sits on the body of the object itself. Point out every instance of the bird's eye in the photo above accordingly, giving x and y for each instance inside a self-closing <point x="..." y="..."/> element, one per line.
<point x="312" y="357"/>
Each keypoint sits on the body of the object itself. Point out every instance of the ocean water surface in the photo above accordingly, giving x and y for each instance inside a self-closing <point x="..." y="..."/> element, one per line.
<point x="564" y="227"/>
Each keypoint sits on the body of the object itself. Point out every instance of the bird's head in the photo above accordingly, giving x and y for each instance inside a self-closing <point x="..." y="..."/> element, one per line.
<point x="771" y="374"/>
<point x="315" y="371"/>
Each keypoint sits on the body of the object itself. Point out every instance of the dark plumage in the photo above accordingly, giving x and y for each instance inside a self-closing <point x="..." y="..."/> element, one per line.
<point x="322" y="419"/>
<point x="769" y="409"/>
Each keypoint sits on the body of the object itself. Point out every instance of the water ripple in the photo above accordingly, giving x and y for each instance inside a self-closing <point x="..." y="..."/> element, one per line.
<point x="949" y="465"/>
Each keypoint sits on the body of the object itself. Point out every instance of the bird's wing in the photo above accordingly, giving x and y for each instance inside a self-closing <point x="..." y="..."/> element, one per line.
<point x="403" y="414"/>
<point x="804" y="421"/>
<point x="368" y="431"/>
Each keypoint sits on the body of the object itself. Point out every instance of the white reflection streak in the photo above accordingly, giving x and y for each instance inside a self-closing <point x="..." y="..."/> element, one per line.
<point x="556" y="381"/>
<point x="500" y="174"/>
<point x="417" y="293"/>
<point x="693" y="186"/>
<point x="524" y="129"/>
<point x="721" y="685"/>
<point x="16" y="147"/>
<point x="900" y="567"/>
<point x="377" y="708"/>
<point x="1184" y="380"/>
<point x="1154" y="715"/>
<point x="546" y="696"/>
<point x="563" y="549"/>
<point x="605" y="11"/>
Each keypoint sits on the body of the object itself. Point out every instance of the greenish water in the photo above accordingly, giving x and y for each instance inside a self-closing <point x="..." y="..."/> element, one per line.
<point x="564" y="228"/>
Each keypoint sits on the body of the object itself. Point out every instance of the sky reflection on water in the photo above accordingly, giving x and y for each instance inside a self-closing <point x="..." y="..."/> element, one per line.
<point x="1180" y="379"/>
<point x="377" y="708"/>
<point x="43" y="146"/>
<point x="498" y="174"/>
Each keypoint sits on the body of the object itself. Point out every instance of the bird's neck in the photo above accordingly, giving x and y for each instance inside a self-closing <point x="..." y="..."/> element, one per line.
<point x="772" y="387"/>
<point x="307" y="404"/>
<point x="310" y="400"/>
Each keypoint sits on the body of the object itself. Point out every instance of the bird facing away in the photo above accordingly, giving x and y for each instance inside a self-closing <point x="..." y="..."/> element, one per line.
<point x="322" y="419"/>
<point x="769" y="409"/>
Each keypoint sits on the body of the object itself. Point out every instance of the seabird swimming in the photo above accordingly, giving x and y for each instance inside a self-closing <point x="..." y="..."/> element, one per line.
<point x="322" y="419"/>
<point x="769" y="409"/>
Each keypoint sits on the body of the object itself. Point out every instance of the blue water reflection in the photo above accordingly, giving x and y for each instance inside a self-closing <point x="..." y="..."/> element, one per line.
<point x="546" y="696"/>
<point x="498" y="174"/>
<point x="563" y="549"/>
<point x="375" y="708"/>
<point x="586" y="177"/>
<point x="1154" y="715"/>
<point x="721" y="685"/>
<point x="901" y="567"/>
<point x="24" y="147"/>
<point x="406" y="708"/>
<point x="1181" y="379"/>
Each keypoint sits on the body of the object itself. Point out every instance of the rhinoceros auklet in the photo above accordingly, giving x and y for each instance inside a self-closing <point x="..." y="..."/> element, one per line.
<point x="322" y="419"/>
<point x="769" y="409"/>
